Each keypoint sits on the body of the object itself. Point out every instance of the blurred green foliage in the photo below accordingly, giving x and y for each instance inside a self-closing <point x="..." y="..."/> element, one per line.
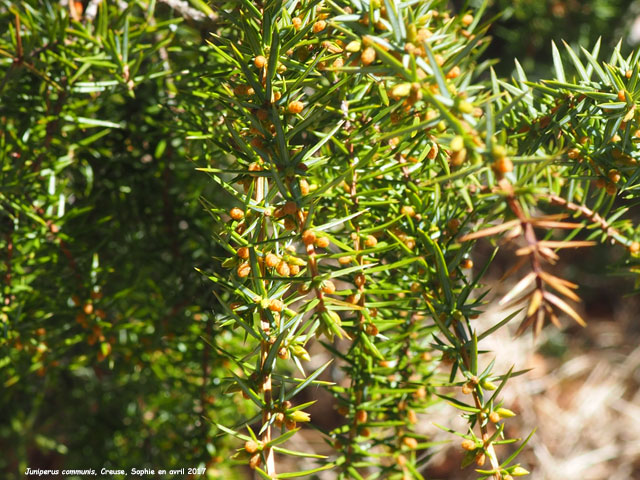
<point x="101" y="360"/>
<point x="524" y="29"/>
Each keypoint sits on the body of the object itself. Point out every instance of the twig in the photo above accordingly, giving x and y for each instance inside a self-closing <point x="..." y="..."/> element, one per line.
<point x="488" y="447"/>
<point x="265" y="347"/>
<point x="613" y="234"/>
<point x="355" y="380"/>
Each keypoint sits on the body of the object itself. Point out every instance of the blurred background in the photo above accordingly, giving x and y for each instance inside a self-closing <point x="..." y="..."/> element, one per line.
<point x="103" y="360"/>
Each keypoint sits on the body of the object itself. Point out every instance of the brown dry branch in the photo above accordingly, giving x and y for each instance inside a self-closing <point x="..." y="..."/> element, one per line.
<point x="533" y="287"/>
<point x="612" y="234"/>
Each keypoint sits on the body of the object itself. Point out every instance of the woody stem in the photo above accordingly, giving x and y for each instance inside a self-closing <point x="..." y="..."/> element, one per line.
<point x="265" y="347"/>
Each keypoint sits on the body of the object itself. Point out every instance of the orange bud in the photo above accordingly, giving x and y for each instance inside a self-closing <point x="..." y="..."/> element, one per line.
<point x="454" y="72"/>
<point x="468" y="445"/>
<point x="368" y="56"/>
<point x="295" y="107"/>
<point x="308" y="237"/>
<point x="271" y="260"/>
<point x="319" y="26"/>
<point x="244" y="269"/>
<point x="279" y="419"/>
<point x="322" y="242"/>
<point x="304" y="187"/>
<point x="259" y="61"/>
<point x="573" y="153"/>
<point x="614" y="176"/>
<point x="79" y="8"/>
<point x="421" y="392"/>
<point x="410" y="442"/>
<point x="467" y="20"/>
<point x="236" y="213"/>
<point x="371" y="329"/>
<point x="283" y="269"/>
<point x="276" y="305"/>
<point x="457" y="158"/>
<point x="328" y="287"/>
<point x="371" y="241"/>
<point x="361" y="416"/>
<point x="502" y="166"/>
<point x="408" y="211"/>
<point x="433" y="152"/>
<point x="251" y="447"/>
<point x="412" y="417"/>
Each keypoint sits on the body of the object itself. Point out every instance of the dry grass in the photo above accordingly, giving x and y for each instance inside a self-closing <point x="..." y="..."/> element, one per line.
<point x="585" y="401"/>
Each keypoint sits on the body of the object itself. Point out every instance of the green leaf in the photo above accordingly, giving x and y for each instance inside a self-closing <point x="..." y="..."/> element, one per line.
<point x="437" y="72"/>
<point x="593" y="63"/>
<point x="557" y="63"/>
<point x="518" y="450"/>
<point x="282" y="438"/>
<point x="499" y="325"/>
<point x="305" y="473"/>
<point x="92" y="122"/>
<point x="307" y="381"/>
<point x="293" y="453"/>
<point x="396" y="20"/>
<point x="577" y="63"/>
<point x="441" y="264"/>
<point x="458" y="404"/>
